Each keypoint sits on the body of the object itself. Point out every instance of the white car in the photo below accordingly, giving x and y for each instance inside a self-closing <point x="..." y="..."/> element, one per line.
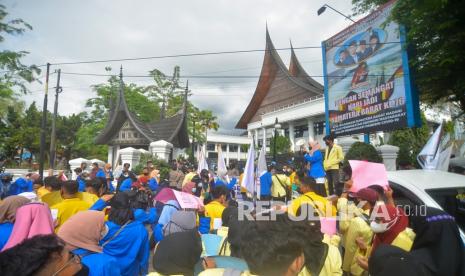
<point x="431" y="188"/>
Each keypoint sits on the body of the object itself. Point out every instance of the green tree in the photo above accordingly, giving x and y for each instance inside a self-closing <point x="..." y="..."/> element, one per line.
<point x="14" y="73"/>
<point x="360" y="151"/>
<point x="410" y="142"/>
<point x="436" y="39"/>
<point x="283" y="145"/>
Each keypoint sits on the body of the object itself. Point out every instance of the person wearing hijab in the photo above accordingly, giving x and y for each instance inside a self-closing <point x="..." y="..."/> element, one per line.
<point x="180" y="221"/>
<point x="178" y="253"/>
<point x="315" y="158"/>
<point x="8" y="209"/>
<point x="82" y="233"/>
<point x="438" y="239"/>
<point x="31" y="220"/>
<point x="391" y="260"/>
<point x="127" y="240"/>
<point x="154" y="180"/>
<point x="106" y="175"/>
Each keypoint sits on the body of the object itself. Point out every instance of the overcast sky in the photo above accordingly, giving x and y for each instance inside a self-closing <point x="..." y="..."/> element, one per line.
<point x="96" y="29"/>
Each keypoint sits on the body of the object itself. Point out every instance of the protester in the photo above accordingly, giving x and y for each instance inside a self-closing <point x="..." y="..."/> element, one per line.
<point x="190" y="173"/>
<point x="95" y="170"/>
<point x="265" y="185"/>
<point x="154" y="180"/>
<point x="321" y="204"/>
<point x="31" y="220"/>
<point x="53" y="185"/>
<point x="178" y="253"/>
<point x="355" y="227"/>
<point x="273" y="248"/>
<point x="21" y="185"/>
<point x="143" y="178"/>
<point x="181" y="221"/>
<point x="315" y="158"/>
<point x="281" y="185"/>
<point x="61" y="175"/>
<point x="333" y="156"/>
<point x="176" y="177"/>
<point x="71" y="203"/>
<point x="108" y="176"/>
<point x="41" y="255"/>
<point x="8" y="208"/>
<point x="214" y="209"/>
<point x="127" y="240"/>
<point x="125" y="174"/>
<point x="82" y="234"/>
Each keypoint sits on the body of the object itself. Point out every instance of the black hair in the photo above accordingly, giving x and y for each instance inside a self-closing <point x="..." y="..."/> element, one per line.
<point x="95" y="164"/>
<point x="353" y="43"/>
<point x="270" y="247"/>
<point x="362" y="42"/>
<point x="38" y="181"/>
<point x="95" y="184"/>
<point x="329" y="137"/>
<point x="218" y="191"/>
<point x="52" y="181"/>
<point x="120" y="211"/>
<point x="78" y="170"/>
<point x="126" y="165"/>
<point x="308" y="181"/>
<point x="31" y="255"/>
<point x="71" y="187"/>
<point x="174" y="166"/>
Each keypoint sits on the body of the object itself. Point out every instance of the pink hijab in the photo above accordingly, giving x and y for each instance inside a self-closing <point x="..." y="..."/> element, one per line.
<point x="31" y="220"/>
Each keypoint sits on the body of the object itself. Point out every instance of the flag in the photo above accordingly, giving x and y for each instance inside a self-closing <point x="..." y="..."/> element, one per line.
<point x="222" y="170"/>
<point x="202" y="162"/>
<point x="433" y="156"/>
<point x="248" y="181"/>
<point x="261" y="168"/>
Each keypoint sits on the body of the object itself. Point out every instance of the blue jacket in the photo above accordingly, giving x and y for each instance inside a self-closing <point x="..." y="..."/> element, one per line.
<point x="316" y="164"/>
<point x="21" y="185"/>
<point x="130" y="247"/>
<point x="265" y="184"/>
<point x="98" y="263"/>
<point x="126" y="185"/>
<point x="5" y="232"/>
<point x="82" y="184"/>
<point x="153" y="184"/>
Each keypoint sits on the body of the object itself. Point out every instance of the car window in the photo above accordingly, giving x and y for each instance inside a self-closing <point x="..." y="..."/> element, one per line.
<point x="405" y="198"/>
<point x="452" y="200"/>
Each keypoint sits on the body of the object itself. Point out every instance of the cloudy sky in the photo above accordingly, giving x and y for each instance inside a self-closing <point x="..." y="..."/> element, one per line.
<point x="69" y="31"/>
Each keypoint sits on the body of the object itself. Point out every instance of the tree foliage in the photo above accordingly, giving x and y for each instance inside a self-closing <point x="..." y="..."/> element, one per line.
<point x="360" y="151"/>
<point x="436" y="39"/>
<point x="15" y="74"/>
<point x="410" y="142"/>
<point x="283" y="145"/>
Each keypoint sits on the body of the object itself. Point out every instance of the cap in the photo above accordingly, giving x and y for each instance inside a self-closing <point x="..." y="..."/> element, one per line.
<point x="366" y="194"/>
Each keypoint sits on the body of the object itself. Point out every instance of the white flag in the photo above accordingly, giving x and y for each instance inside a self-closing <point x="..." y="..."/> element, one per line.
<point x="261" y="165"/>
<point x="429" y="156"/>
<point x="444" y="159"/>
<point x="202" y="162"/>
<point x="222" y="170"/>
<point x="248" y="181"/>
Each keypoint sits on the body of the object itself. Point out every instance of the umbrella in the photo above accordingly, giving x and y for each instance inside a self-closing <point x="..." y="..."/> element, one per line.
<point x="165" y="195"/>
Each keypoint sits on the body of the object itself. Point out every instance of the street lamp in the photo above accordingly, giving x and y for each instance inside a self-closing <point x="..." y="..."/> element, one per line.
<point x="276" y="127"/>
<point x="323" y="8"/>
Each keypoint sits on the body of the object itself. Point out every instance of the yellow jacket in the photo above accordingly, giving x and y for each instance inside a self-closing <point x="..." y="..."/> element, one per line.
<point x="277" y="190"/>
<point x="54" y="198"/>
<point x="67" y="208"/>
<point x="333" y="158"/>
<point x="332" y="265"/>
<point x="323" y="205"/>
<point x="214" y="210"/>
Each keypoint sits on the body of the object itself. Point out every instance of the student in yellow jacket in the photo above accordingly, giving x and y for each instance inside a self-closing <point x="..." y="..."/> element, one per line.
<point x="319" y="203"/>
<point x="333" y="156"/>
<point x="281" y="184"/>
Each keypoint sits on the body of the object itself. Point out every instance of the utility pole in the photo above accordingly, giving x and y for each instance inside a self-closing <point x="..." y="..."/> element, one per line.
<point x="58" y="90"/>
<point x="44" y="123"/>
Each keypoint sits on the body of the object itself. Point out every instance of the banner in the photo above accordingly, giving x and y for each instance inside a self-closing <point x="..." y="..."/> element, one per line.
<point x="367" y="84"/>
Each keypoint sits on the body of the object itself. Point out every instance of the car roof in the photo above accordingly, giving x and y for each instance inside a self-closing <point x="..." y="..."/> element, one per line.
<point x="427" y="179"/>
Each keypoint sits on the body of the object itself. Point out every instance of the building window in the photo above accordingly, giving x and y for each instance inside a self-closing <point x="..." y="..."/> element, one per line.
<point x="223" y="148"/>
<point x="136" y="135"/>
<point x="211" y="147"/>
<point x="232" y="148"/>
<point x="319" y="127"/>
<point x="286" y="132"/>
<point x="299" y="131"/>
<point x="123" y="135"/>
<point x="260" y="142"/>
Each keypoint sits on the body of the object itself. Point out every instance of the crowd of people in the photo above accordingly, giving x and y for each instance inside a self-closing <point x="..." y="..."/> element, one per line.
<point x="120" y="223"/>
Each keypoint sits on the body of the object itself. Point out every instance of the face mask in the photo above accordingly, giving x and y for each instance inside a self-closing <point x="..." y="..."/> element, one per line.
<point x="84" y="271"/>
<point x="382" y="227"/>
<point x="194" y="190"/>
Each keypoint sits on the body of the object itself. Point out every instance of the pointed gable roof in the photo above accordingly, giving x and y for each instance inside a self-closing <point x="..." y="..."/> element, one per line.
<point x="276" y="87"/>
<point x="172" y="129"/>
<point x="296" y="70"/>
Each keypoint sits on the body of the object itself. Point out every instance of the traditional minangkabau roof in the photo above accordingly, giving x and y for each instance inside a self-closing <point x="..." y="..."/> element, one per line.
<point x="172" y="129"/>
<point x="277" y="86"/>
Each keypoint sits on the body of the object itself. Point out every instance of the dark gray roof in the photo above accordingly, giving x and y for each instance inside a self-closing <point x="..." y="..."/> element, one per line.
<point x="172" y="129"/>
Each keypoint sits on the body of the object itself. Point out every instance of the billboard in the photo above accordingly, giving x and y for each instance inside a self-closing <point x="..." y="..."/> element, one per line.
<point x="366" y="75"/>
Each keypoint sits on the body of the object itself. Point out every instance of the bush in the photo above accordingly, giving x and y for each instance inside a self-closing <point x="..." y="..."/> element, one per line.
<point x="160" y="165"/>
<point x="360" y="151"/>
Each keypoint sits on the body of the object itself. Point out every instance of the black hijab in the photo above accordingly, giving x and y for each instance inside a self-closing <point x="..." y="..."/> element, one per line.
<point x="389" y="260"/>
<point x="438" y="236"/>
<point x="178" y="253"/>
<point x="120" y="212"/>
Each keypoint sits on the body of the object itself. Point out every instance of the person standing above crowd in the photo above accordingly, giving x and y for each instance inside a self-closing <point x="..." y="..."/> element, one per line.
<point x="125" y="174"/>
<point x="333" y="157"/>
<point x="176" y="177"/>
<point x="315" y="158"/>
